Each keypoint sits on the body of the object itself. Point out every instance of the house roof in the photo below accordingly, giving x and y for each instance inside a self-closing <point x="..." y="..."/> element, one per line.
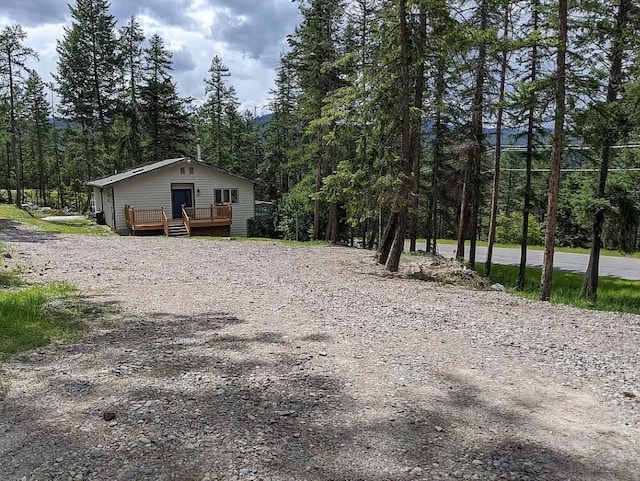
<point x="143" y="169"/>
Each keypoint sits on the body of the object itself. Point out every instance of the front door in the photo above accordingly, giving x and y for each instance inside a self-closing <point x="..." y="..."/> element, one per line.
<point x="179" y="198"/>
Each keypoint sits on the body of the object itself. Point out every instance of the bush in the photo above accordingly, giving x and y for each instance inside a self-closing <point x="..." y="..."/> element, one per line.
<point x="296" y="213"/>
<point x="509" y="230"/>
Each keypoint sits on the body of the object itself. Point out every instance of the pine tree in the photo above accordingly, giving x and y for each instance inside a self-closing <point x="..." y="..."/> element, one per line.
<point x="347" y="118"/>
<point x="406" y="132"/>
<point x="37" y="112"/>
<point x="446" y="47"/>
<point x="531" y="98"/>
<point x="166" y="119"/>
<point x="87" y="78"/>
<point x="610" y="132"/>
<point x="215" y="125"/>
<point x="557" y="150"/>
<point x="314" y="53"/>
<point x="130" y="42"/>
<point x="282" y="167"/>
<point x="483" y="36"/>
<point x="13" y="55"/>
<point x="504" y="59"/>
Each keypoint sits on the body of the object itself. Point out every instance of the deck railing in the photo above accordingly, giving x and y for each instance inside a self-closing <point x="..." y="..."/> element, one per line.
<point x="143" y="219"/>
<point x="186" y="219"/>
<point x="143" y="216"/>
<point x="165" y="222"/>
<point x="213" y="212"/>
<point x="192" y="217"/>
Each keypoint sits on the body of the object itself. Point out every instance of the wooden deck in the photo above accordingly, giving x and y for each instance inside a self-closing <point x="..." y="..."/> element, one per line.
<point x="139" y="220"/>
<point x="212" y="220"/>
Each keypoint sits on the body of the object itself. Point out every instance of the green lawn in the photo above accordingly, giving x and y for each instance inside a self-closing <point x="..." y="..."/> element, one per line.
<point x="613" y="294"/>
<point x="83" y="226"/>
<point x="37" y="315"/>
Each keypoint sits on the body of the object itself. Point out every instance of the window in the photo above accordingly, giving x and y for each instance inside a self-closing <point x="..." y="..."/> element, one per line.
<point x="191" y="170"/>
<point x="182" y="170"/>
<point x="226" y="196"/>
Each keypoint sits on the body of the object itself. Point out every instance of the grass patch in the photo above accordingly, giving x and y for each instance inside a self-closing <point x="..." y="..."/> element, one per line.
<point x="574" y="250"/>
<point x="35" y="316"/>
<point x="10" y="278"/>
<point x="619" y="295"/>
<point x="80" y="226"/>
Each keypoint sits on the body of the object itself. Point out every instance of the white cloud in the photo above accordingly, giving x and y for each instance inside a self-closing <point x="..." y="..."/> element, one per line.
<point x="249" y="35"/>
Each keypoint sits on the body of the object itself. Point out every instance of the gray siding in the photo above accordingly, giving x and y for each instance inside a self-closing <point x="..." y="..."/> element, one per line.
<point x="153" y="189"/>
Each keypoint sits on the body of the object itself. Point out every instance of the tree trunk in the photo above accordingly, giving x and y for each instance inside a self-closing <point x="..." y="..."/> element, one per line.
<point x="522" y="271"/>
<point x="464" y="206"/>
<point x="498" y="154"/>
<point x="556" y="154"/>
<point x="8" y="180"/>
<point x="477" y="134"/>
<point x="475" y="209"/>
<point x="397" y="248"/>
<point x="437" y="152"/>
<point x="386" y="239"/>
<point x="590" y="284"/>
<point x="57" y="156"/>
<point x="332" y="231"/>
<point x="416" y="137"/>
<point x="12" y="121"/>
<point x="316" y="202"/>
<point x="393" y="262"/>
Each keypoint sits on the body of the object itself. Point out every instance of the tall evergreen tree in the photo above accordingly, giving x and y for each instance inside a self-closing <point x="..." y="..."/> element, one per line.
<point x="504" y="65"/>
<point x="87" y="78"/>
<point x="282" y="167"/>
<point x="557" y="150"/>
<point x="130" y="42"/>
<point x="531" y="96"/>
<point x="37" y="123"/>
<point x="214" y="114"/>
<point x="610" y="132"/>
<point x="13" y="55"/>
<point x="314" y="53"/>
<point x="166" y="118"/>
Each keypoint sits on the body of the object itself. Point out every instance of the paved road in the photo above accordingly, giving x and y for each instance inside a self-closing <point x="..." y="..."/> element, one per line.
<point x="623" y="267"/>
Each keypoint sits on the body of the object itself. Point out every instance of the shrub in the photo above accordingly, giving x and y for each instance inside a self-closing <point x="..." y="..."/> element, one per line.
<point x="509" y="230"/>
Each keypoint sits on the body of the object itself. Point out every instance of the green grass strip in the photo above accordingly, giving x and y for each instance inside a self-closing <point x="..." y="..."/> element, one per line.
<point x="35" y="316"/>
<point x="619" y="295"/>
<point x="80" y="226"/>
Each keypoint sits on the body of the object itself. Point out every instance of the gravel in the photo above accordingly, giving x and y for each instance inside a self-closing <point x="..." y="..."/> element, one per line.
<point x="223" y="360"/>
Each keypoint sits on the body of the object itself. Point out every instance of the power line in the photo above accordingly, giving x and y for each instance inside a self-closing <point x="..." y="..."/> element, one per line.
<point x="546" y="147"/>
<point x="631" y="169"/>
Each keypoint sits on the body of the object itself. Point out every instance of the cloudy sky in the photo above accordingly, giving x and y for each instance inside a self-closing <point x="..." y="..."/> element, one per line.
<point x="249" y="35"/>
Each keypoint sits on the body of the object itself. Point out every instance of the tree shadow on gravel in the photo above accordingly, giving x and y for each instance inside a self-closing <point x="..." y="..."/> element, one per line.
<point x="204" y="397"/>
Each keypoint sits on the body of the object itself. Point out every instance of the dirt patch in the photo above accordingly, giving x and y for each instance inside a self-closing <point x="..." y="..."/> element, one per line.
<point x="443" y="271"/>
<point x="259" y="361"/>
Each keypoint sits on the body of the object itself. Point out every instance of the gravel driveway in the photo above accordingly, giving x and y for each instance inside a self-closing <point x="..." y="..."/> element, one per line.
<point x="260" y="361"/>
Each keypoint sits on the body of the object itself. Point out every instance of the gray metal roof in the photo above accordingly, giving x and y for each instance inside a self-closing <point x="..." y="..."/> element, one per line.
<point x="142" y="169"/>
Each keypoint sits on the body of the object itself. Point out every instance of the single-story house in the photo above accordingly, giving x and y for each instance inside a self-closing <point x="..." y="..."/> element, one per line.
<point x="178" y="196"/>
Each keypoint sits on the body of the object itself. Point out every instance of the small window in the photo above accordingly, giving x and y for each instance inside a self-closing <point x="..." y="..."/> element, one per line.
<point x="191" y="170"/>
<point x="226" y="196"/>
<point x="182" y="170"/>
